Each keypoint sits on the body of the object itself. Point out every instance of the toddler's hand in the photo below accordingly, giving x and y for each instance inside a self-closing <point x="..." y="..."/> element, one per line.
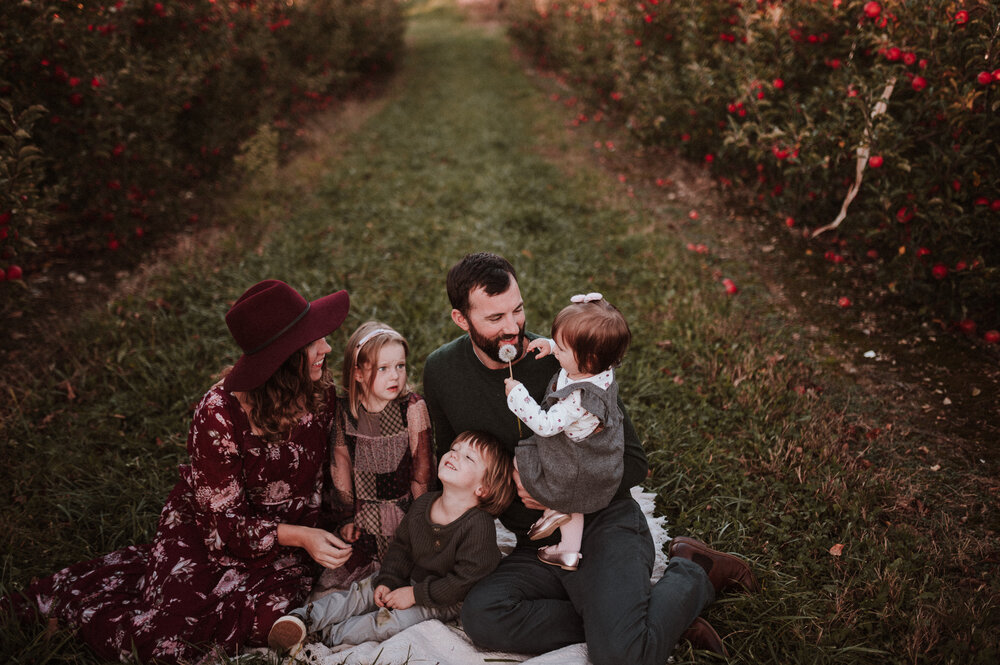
<point x="349" y="532"/>
<point x="400" y="599"/>
<point x="381" y="591"/>
<point x="509" y="385"/>
<point x="541" y="346"/>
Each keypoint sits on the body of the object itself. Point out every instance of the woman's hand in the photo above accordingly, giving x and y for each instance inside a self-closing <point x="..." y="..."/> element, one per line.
<point x="325" y="548"/>
<point x="349" y="532"/>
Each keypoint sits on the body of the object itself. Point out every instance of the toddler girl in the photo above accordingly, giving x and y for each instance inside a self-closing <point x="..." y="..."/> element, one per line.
<point x="381" y="450"/>
<point x="573" y="463"/>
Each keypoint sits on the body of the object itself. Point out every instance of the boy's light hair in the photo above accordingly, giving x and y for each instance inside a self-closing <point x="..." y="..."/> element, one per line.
<point x="498" y="478"/>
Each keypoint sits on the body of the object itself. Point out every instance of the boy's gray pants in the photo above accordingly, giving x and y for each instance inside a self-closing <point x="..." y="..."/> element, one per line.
<point x="352" y="617"/>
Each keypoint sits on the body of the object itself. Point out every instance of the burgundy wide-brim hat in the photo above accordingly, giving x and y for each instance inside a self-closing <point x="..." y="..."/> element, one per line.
<point x="270" y="322"/>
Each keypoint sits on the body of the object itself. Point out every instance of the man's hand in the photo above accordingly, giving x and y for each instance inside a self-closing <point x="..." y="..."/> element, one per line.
<point x="509" y="385"/>
<point x="526" y="498"/>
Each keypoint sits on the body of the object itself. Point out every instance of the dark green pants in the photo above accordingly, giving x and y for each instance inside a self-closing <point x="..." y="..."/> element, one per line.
<point x="527" y="606"/>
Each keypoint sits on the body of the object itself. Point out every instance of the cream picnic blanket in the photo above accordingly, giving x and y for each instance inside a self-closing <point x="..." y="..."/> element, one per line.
<point x="437" y="643"/>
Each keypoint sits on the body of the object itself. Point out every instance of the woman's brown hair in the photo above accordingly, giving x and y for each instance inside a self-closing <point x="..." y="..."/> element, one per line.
<point x="276" y="405"/>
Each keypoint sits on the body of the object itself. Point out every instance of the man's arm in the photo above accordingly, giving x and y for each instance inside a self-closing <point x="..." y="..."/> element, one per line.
<point x="636" y="464"/>
<point x="444" y="434"/>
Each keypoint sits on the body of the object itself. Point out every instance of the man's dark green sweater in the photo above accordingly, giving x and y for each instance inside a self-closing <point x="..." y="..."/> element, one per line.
<point x="462" y="394"/>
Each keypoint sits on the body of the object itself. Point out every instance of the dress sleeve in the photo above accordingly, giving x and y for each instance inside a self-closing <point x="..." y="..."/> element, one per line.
<point x="560" y="415"/>
<point x="341" y="467"/>
<point x="226" y="518"/>
<point x="418" y="423"/>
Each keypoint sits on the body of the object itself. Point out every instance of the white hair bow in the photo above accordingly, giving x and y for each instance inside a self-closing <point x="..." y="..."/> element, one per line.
<point x="589" y="297"/>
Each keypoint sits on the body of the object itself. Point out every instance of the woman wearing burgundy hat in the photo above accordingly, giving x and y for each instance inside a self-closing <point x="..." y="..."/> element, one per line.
<point x="238" y="537"/>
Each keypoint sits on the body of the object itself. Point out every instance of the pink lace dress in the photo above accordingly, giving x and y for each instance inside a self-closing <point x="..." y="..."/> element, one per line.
<point x="215" y="575"/>
<point x="388" y="462"/>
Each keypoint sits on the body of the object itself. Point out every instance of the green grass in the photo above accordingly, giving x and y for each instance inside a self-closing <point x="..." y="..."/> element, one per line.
<point x="467" y="154"/>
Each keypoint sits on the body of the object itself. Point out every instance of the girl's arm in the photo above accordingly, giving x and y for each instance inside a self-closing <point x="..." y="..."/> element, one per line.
<point x="342" y="475"/>
<point x="418" y="424"/>
<point x="560" y="415"/>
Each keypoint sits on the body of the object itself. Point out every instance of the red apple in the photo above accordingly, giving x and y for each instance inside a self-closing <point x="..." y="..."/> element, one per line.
<point x="984" y="78"/>
<point x="875" y="161"/>
<point x="844" y="302"/>
<point x="968" y="326"/>
<point x="961" y="17"/>
<point x="872" y="9"/>
<point x="918" y="83"/>
<point x="991" y="336"/>
<point x="940" y="271"/>
<point x="730" y="286"/>
<point x="14" y="272"/>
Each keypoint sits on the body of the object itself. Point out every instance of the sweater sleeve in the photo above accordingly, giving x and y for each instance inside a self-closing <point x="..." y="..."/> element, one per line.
<point x="636" y="465"/>
<point x="397" y="565"/>
<point x="443" y="432"/>
<point x="475" y="558"/>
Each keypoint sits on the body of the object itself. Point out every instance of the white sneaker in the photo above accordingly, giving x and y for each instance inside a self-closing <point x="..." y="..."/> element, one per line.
<point x="287" y="633"/>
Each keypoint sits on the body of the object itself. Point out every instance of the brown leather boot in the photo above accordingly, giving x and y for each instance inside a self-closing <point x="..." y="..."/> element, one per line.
<point x="724" y="570"/>
<point x="701" y="635"/>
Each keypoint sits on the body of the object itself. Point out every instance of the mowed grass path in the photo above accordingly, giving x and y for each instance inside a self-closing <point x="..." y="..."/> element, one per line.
<point x="755" y="446"/>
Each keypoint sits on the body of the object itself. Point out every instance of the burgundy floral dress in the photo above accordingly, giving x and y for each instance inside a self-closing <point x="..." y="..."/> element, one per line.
<point x="215" y="576"/>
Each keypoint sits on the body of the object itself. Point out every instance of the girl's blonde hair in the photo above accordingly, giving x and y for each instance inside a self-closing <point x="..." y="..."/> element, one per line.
<point x="363" y="348"/>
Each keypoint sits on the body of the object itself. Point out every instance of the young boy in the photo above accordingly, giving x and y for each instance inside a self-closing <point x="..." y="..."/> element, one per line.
<point x="445" y="544"/>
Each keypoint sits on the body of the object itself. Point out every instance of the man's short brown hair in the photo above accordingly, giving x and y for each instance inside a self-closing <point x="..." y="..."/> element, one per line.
<point x="490" y="272"/>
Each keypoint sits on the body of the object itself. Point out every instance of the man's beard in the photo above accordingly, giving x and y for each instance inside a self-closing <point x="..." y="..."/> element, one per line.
<point x="491" y="346"/>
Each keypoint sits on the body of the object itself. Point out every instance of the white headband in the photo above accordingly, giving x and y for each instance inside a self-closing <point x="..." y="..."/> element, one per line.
<point x="377" y="331"/>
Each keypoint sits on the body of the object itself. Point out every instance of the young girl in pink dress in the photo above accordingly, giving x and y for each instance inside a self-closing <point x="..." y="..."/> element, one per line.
<point x="381" y="455"/>
<point x="238" y="541"/>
